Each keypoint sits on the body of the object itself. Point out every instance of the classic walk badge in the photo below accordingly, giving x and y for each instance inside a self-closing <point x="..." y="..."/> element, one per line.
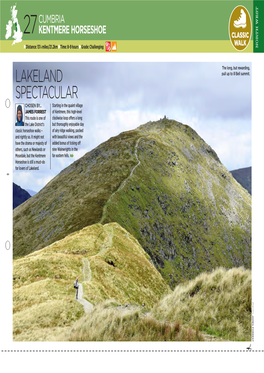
<point x="240" y="28"/>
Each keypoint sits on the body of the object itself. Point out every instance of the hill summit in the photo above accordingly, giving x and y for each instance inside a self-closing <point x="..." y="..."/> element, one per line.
<point x="164" y="185"/>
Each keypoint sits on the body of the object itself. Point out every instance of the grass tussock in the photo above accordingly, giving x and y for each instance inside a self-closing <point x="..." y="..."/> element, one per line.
<point x="217" y="303"/>
<point x="110" y="323"/>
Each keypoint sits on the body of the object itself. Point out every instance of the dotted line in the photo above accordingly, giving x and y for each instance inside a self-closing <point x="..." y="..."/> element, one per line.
<point x="133" y="351"/>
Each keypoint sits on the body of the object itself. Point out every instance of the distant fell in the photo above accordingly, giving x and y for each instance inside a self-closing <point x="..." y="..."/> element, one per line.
<point x="31" y="192"/>
<point x="243" y="177"/>
<point x="20" y="195"/>
<point x="164" y="185"/>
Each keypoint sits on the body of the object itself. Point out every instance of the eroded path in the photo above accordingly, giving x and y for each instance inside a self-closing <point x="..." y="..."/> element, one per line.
<point x="87" y="274"/>
<point x="108" y="245"/>
<point x="86" y="278"/>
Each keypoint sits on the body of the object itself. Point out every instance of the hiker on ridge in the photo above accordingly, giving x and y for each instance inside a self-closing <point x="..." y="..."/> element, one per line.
<point x="76" y="287"/>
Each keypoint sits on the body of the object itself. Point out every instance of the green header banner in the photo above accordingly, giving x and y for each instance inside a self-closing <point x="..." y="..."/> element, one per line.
<point x="128" y="26"/>
<point x="258" y="26"/>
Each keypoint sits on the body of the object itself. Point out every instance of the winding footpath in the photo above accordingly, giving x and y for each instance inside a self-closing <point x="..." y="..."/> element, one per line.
<point x="86" y="278"/>
<point x="87" y="274"/>
<point x="109" y="244"/>
<point x="86" y="264"/>
<point x="123" y="183"/>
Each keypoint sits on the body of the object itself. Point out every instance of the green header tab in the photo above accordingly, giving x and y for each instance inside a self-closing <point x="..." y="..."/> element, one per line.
<point x="258" y="26"/>
<point x="44" y="22"/>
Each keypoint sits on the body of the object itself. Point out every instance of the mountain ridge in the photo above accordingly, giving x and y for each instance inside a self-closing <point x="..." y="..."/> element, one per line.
<point x="180" y="203"/>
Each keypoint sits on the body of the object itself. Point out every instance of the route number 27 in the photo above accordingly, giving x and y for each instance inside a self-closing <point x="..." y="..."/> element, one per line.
<point x="28" y="32"/>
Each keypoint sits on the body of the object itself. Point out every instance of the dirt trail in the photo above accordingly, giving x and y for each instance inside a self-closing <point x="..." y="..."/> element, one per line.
<point x="86" y="278"/>
<point x="123" y="183"/>
<point x="87" y="274"/>
<point x="109" y="244"/>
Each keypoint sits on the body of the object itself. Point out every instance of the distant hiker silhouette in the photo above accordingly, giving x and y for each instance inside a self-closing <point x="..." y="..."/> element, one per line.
<point x="76" y="286"/>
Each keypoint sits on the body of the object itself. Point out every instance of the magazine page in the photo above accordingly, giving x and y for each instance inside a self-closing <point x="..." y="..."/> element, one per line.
<point x="130" y="129"/>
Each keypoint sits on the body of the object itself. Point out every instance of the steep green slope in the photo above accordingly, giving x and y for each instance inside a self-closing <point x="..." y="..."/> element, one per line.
<point x="164" y="185"/>
<point x="43" y="295"/>
<point x="75" y="198"/>
<point x="182" y="204"/>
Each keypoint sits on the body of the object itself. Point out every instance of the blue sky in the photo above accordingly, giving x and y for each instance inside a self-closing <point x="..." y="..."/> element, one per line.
<point x="117" y="97"/>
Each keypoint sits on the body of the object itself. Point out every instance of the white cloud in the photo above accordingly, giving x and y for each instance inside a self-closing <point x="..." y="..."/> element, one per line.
<point x="23" y="179"/>
<point x="119" y="121"/>
<point x="232" y="147"/>
<point x="41" y="182"/>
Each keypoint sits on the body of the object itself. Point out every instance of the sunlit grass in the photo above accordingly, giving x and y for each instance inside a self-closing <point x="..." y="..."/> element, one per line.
<point x="218" y="303"/>
<point x="107" y="322"/>
<point x="43" y="293"/>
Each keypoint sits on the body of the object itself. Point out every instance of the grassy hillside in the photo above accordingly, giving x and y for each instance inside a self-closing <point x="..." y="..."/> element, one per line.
<point x="217" y="303"/>
<point x="75" y="198"/>
<point x="109" y="322"/>
<point x="214" y="306"/>
<point x="43" y="293"/>
<point x="181" y="204"/>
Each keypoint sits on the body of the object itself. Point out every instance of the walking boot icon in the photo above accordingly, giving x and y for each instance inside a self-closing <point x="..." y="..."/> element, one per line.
<point x="242" y="20"/>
